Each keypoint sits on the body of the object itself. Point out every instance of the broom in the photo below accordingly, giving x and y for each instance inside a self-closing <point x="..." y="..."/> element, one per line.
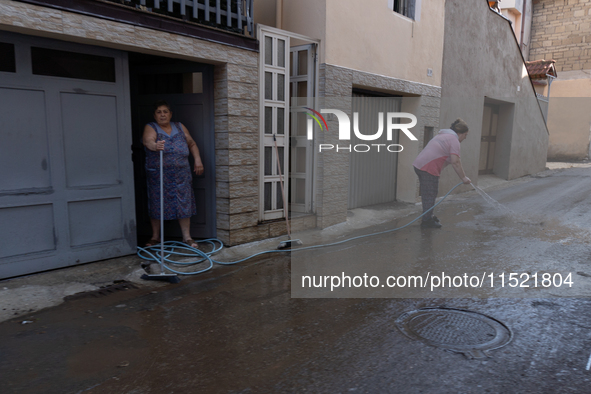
<point x="290" y="242"/>
<point x="163" y="276"/>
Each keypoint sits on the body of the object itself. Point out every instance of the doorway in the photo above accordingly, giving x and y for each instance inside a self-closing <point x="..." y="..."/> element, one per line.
<point x="372" y="175"/>
<point x="288" y="87"/>
<point x="66" y="190"/>
<point x="188" y="89"/>
<point x="488" y="139"/>
<point x="302" y="86"/>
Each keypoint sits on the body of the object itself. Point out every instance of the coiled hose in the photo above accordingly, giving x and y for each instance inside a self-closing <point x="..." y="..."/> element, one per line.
<point x="181" y="250"/>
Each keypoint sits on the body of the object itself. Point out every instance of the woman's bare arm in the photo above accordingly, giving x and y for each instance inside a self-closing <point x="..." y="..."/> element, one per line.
<point x="194" y="149"/>
<point x="456" y="163"/>
<point x="150" y="139"/>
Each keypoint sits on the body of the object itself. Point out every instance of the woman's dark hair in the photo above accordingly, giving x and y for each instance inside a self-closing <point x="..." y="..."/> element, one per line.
<point x="161" y="103"/>
<point x="459" y="126"/>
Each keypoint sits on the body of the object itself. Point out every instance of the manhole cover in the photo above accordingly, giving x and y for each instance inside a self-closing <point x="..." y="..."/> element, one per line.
<point x="470" y="333"/>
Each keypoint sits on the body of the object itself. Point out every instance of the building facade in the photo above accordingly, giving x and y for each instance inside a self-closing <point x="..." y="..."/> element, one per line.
<point x="520" y="14"/>
<point x="374" y="52"/>
<point x="77" y="84"/>
<point x="561" y="31"/>
<point x="78" y="79"/>
<point x="485" y="82"/>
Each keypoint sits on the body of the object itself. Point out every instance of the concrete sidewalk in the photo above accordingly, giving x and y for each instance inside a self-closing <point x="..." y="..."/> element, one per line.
<point x="31" y="293"/>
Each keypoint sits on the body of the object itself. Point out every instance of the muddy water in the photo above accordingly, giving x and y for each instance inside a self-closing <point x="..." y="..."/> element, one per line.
<point x="237" y="329"/>
<point x="477" y="242"/>
<point x="243" y="333"/>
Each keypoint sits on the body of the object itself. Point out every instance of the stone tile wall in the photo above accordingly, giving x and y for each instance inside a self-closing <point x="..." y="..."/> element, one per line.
<point x="561" y="30"/>
<point x="236" y="142"/>
<point x="235" y="95"/>
<point x="236" y="112"/>
<point x="332" y="171"/>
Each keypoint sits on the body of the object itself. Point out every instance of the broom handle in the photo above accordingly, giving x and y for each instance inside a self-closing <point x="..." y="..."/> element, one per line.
<point x="161" y="215"/>
<point x="282" y="191"/>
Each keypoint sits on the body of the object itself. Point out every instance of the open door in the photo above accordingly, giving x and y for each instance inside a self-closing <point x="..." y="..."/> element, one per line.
<point x="302" y="91"/>
<point x="488" y="139"/>
<point x="286" y="73"/>
<point x="274" y="122"/>
<point x="188" y="88"/>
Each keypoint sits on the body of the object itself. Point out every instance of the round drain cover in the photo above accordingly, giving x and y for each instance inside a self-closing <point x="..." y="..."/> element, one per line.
<point x="461" y="331"/>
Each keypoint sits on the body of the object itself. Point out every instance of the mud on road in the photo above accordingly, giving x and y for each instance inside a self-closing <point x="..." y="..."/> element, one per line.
<point x="237" y="329"/>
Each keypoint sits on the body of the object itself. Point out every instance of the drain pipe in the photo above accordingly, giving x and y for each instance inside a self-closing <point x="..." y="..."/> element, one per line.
<point x="523" y="20"/>
<point x="279" y="14"/>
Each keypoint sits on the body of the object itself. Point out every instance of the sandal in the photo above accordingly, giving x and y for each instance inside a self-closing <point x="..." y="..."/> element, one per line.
<point x="152" y="242"/>
<point x="191" y="243"/>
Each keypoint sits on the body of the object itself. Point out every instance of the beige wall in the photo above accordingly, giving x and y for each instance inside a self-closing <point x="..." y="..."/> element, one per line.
<point x="308" y="18"/>
<point x="516" y="4"/>
<point x="515" y="18"/>
<point x="515" y="10"/>
<point x="368" y="36"/>
<point x="478" y="69"/>
<point x="305" y="17"/>
<point x="265" y="12"/>
<point x="569" y="119"/>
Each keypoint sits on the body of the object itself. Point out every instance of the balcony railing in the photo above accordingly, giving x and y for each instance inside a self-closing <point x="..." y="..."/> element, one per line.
<point x="232" y="15"/>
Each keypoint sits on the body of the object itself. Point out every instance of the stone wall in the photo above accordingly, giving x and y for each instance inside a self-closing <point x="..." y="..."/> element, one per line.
<point x="236" y="144"/>
<point x="561" y="30"/>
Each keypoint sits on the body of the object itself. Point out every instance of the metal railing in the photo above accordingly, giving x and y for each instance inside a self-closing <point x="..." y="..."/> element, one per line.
<point x="542" y="97"/>
<point x="233" y="15"/>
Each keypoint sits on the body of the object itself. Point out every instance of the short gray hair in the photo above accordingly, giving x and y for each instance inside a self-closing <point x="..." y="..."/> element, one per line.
<point x="459" y="126"/>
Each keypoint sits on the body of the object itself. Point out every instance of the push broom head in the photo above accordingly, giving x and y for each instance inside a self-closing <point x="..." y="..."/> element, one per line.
<point x="171" y="278"/>
<point x="289" y="243"/>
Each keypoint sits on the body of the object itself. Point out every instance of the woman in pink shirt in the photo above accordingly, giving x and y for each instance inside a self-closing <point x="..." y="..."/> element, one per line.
<point x="442" y="150"/>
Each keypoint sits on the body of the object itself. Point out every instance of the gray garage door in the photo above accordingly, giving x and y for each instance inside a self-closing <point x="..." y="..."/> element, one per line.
<point x="372" y="174"/>
<point x="66" y="184"/>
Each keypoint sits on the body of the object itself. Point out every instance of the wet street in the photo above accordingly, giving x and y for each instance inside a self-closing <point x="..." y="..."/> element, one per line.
<point x="249" y="329"/>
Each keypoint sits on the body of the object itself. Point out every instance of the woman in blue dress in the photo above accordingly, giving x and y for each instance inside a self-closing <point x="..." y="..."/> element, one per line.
<point x="174" y="140"/>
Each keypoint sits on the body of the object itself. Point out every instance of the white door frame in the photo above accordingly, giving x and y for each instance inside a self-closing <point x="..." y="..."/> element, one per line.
<point x="276" y="103"/>
<point x="299" y="106"/>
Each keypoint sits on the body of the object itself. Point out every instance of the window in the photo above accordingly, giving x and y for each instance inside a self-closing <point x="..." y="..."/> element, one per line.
<point x="7" y="59"/>
<point x="408" y="8"/>
<point x="171" y="83"/>
<point x="55" y="63"/>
